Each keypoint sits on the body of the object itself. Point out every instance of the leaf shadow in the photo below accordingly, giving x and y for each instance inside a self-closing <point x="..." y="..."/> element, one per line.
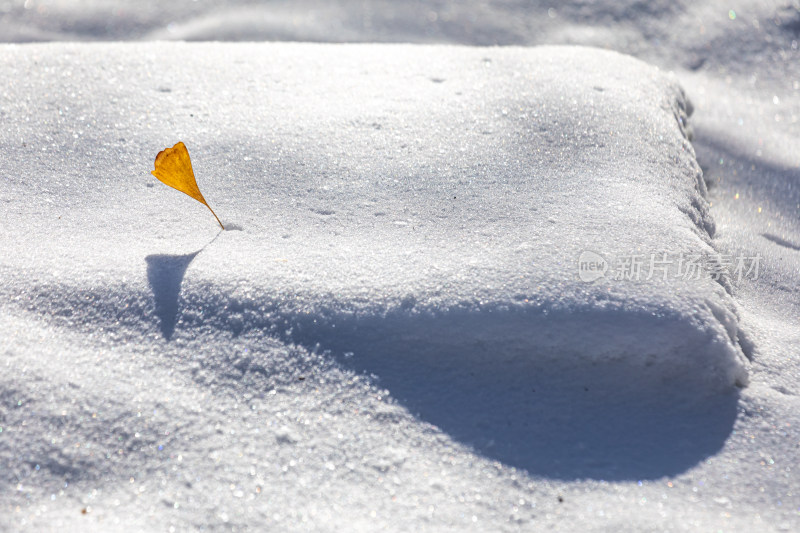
<point x="165" y="273"/>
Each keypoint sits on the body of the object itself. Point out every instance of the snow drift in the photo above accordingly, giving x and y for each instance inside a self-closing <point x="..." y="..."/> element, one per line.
<point x="411" y="213"/>
<point x="381" y="205"/>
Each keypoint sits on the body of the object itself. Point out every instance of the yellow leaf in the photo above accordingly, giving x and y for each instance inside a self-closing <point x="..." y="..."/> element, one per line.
<point x="174" y="168"/>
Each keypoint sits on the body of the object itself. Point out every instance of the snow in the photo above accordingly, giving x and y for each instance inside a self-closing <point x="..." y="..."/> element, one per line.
<point x="393" y="333"/>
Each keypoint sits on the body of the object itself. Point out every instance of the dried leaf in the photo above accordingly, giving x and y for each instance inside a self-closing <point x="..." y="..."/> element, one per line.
<point x="174" y="168"/>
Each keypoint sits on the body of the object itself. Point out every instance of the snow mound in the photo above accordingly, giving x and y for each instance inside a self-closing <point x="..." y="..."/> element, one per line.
<point x="422" y="275"/>
<point x="388" y="208"/>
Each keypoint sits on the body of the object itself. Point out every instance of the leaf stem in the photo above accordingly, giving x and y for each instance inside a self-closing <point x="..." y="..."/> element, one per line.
<point x="215" y="216"/>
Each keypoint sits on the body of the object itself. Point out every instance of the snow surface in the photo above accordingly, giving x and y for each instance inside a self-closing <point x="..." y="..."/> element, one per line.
<point x="392" y="334"/>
